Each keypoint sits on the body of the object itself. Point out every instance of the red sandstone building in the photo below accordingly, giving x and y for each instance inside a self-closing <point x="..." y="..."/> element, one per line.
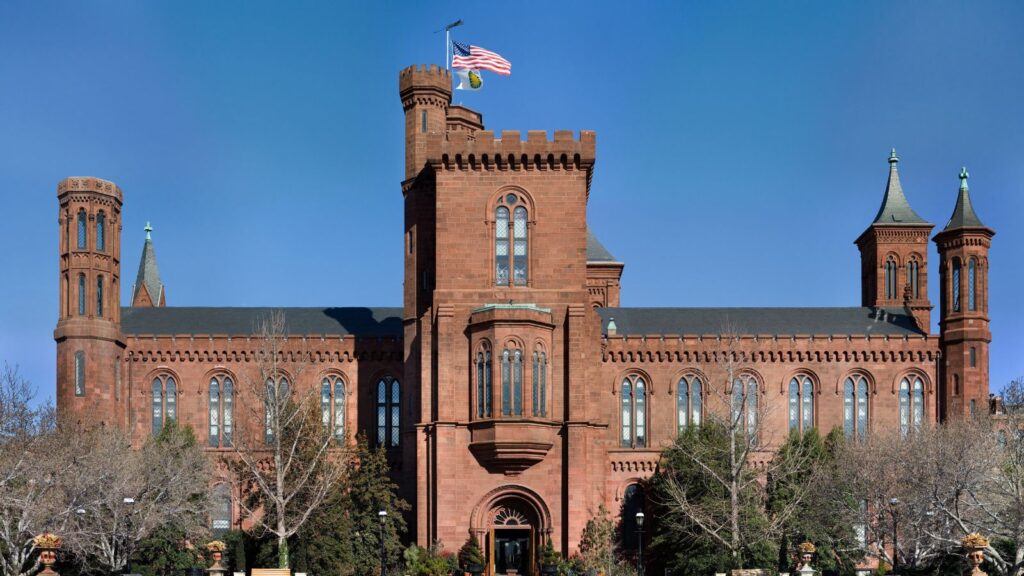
<point x="513" y="392"/>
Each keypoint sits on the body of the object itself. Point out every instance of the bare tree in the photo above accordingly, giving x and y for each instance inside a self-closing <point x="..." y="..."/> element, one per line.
<point x="33" y="461"/>
<point x="713" y="484"/>
<point x="123" y="495"/>
<point x="289" y="469"/>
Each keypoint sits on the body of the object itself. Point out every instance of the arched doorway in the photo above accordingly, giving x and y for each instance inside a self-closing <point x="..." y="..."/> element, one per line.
<point x="512" y="524"/>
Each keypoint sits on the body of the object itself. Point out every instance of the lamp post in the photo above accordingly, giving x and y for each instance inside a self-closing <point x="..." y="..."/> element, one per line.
<point x="640" y="543"/>
<point x="129" y="502"/>
<point x="893" y="502"/>
<point x="383" y="515"/>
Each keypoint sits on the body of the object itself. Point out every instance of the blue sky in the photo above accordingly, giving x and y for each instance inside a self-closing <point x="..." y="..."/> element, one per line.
<point x="741" y="145"/>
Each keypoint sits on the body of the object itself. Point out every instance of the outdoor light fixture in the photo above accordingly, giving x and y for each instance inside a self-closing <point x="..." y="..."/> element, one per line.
<point x="640" y="543"/>
<point x="383" y="515"/>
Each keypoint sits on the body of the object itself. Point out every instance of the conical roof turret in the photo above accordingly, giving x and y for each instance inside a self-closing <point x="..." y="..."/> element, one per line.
<point x="895" y="209"/>
<point x="149" y="290"/>
<point x="963" y="214"/>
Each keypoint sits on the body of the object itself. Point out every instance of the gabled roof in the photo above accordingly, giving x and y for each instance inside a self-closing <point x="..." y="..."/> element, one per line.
<point x="149" y="273"/>
<point x="371" y="322"/>
<point x="895" y="209"/>
<point x="963" y="214"/>
<point x="596" y="252"/>
<point x="860" y="321"/>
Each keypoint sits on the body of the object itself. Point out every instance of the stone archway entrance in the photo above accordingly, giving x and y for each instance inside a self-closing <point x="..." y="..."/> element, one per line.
<point x="512" y="524"/>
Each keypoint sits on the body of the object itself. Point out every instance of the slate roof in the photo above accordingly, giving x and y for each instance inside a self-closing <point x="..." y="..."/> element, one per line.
<point x="596" y="252"/>
<point x="963" y="214"/>
<point x="149" y="273"/>
<point x="775" y="321"/>
<point x="895" y="209"/>
<point x="370" y="322"/>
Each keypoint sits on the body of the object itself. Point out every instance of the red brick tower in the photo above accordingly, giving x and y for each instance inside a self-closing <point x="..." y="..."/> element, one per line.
<point x="894" y="255"/>
<point x="963" y="318"/>
<point x="88" y="333"/>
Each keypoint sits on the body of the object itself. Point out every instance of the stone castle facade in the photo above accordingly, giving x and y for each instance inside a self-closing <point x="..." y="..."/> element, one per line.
<point x="513" y="393"/>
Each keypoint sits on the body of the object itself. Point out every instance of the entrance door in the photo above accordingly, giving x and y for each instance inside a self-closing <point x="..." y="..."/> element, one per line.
<point x="512" y="551"/>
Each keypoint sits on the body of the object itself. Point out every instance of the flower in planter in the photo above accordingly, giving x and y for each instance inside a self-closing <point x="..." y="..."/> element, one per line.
<point x="46" y="540"/>
<point x="974" y="540"/>
<point x="216" y="546"/>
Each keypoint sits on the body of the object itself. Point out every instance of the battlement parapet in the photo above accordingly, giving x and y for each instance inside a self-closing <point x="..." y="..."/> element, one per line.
<point x="460" y="151"/>
<point x="89" y="184"/>
<point x="424" y="78"/>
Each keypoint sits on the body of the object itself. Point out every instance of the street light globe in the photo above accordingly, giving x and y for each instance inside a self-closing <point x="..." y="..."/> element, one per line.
<point x="382" y="515"/>
<point x="894" y="501"/>
<point x="640" y="519"/>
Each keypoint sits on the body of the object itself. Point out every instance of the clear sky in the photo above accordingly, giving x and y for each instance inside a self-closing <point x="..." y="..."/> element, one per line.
<point x="741" y="145"/>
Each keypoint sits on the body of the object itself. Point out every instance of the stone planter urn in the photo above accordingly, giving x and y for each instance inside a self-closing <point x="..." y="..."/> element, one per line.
<point x="475" y="569"/>
<point x="216" y="549"/>
<point x="549" y="569"/>
<point x="975" y="544"/>
<point x="47" y="543"/>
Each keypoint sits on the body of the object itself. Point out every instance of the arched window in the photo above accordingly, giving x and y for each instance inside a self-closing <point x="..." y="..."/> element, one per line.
<point x="221" y="404"/>
<point x="99" y="296"/>
<point x="81" y="294"/>
<point x="634" y="412"/>
<point x="101" y="235"/>
<point x="511" y="242"/>
<point x="388" y="404"/>
<point x="517" y="382"/>
<point x="890" y="279"/>
<point x="745" y="405"/>
<point x="855" y="407"/>
<point x="911" y="405"/>
<point x="632" y="502"/>
<point x="956" y="284"/>
<point x="484" y="390"/>
<point x="332" y="406"/>
<point x="276" y="398"/>
<point x="540" y="383"/>
<point x="971" y="284"/>
<point x="913" y="270"/>
<point x="220" y="520"/>
<point x="165" y="401"/>
<point x="689" y="401"/>
<point x="83" y="242"/>
<point x="801" y="404"/>
<point x="80" y="373"/>
<point x="512" y="382"/>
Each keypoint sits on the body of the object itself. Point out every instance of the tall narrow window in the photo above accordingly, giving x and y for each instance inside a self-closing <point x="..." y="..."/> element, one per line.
<point x="519" y="256"/>
<point x="744" y="405"/>
<point x="171" y="390"/>
<point x="101" y="234"/>
<point x="158" y="406"/>
<point x="483" y="383"/>
<point x="904" y="408"/>
<point x="688" y="402"/>
<point x="918" y="401"/>
<point x="82" y="236"/>
<point x="752" y="414"/>
<point x="794" y="405"/>
<point x="99" y="296"/>
<point x="80" y="373"/>
<point x="214" y="406"/>
<point x="974" y="357"/>
<point x="229" y="406"/>
<point x="332" y="406"/>
<point x="501" y="251"/>
<point x="221" y="517"/>
<point x="890" y="279"/>
<point x="539" y="383"/>
<point x="971" y="284"/>
<point x="855" y="407"/>
<point x="270" y="409"/>
<point x="388" y="405"/>
<point x="506" y="383"/>
<point x="956" y="284"/>
<point x="81" y="294"/>
<point x="912" y="271"/>
<point x="423" y="121"/>
<point x="633" y="394"/>
<point x="517" y="382"/>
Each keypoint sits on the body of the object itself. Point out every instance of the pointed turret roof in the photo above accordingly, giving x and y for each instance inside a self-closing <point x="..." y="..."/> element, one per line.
<point x="895" y="209"/>
<point x="963" y="214"/>
<point x="149" y="274"/>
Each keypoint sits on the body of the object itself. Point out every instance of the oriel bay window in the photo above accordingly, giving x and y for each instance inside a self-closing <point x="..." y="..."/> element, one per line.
<point x="633" y="396"/>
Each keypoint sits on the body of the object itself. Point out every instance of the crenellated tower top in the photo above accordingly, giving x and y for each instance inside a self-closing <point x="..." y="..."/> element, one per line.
<point x="426" y="92"/>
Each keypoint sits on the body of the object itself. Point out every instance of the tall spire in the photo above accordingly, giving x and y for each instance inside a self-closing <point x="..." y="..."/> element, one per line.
<point x="895" y="209"/>
<point x="149" y="290"/>
<point x="963" y="214"/>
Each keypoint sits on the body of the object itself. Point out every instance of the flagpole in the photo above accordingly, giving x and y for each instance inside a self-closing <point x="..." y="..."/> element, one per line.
<point x="447" y="44"/>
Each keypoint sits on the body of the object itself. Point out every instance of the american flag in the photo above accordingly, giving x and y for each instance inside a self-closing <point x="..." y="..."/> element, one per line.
<point x="476" y="58"/>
